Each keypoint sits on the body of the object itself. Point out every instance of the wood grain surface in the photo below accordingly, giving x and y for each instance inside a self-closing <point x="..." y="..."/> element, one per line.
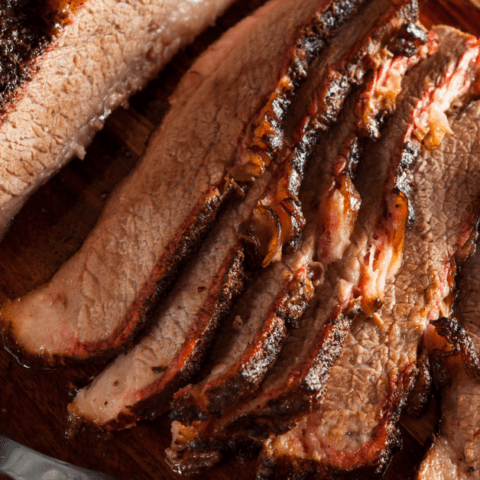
<point x="53" y="225"/>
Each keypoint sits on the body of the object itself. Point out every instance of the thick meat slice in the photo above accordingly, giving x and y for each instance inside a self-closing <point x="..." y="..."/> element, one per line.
<point x="354" y="426"/>
<point x="158" y="214"/>
<point x="65" y="65"/>
<point x="455" y="453"/>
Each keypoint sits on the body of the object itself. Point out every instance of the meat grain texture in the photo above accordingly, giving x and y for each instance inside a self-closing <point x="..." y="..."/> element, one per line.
<point x="455" y="452"/>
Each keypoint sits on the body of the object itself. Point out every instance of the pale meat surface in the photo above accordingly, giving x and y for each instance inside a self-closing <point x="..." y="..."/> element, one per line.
<point x="109" y="52"/>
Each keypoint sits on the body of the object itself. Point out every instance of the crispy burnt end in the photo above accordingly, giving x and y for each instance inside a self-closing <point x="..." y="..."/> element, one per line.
<point x="458" y="344"/>
<point x="408" y="40"/>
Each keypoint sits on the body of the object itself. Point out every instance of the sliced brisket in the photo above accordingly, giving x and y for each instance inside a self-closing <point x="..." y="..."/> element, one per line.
<point x="354" y="427"/>
<point x="331" y="204"/>
<point x="244" y="357"/>
<point x="155" y="218"/>
<point x="65" y="65"/>
<point x="455" y="452"/>
<point x="141" y="383"/>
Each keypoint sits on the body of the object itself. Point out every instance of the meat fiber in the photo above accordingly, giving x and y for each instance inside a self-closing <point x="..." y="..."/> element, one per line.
<point x="157" y="216"/>
<point x="65" y="65"/>
<point x="354" y="428"/>
<point x="455" y="452"/>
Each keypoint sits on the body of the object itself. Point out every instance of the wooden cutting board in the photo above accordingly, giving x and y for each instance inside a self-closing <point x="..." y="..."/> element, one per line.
<point x="53" y="225"/>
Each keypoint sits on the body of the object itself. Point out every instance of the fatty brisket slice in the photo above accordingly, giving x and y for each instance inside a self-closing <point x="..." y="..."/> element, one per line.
<point x="455" y="450"/>
<point x="65" y="66"/>
<point x="159" y="213"/>
<point x="299" y="376"/>
<point x="353" y="430"/>
<point x="362" y="45"/>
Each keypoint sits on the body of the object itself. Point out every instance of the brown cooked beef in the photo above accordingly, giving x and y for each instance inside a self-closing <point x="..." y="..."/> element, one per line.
<point x="158" y="214"/>
<point x="244" y="357"/>
<point x="353" y="430"/>
<point x="455" y="452"/>
<point x="65" y="65"/>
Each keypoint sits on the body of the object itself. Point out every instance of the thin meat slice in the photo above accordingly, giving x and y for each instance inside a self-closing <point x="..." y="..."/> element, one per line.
<point x="155" y="218"/>
<point x="65" y="65"/>
<point x="455" y="452"/>
<point x="354" y="427"/>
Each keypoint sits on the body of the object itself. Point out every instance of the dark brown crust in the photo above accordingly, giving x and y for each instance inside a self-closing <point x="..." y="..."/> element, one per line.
<point x="305" y="385"/>
<point x="366" y="463"/>
<point x="187" y="238"/>
<point x="28" y="28"/>
<point x="155" y="399"/>
<point x="422" y="390"/>
<point x="245" y="376"/>
<point x="458" y="344"/>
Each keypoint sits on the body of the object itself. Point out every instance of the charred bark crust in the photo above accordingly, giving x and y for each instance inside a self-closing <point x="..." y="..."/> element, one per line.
<point x="24" y="35"/>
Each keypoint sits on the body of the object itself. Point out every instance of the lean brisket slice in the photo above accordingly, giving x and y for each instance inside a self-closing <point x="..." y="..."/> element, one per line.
<point x="455" y="452"/>
<point x="160" y="212"/>
<point x="65" y="65"/>
<point x="354" y="428"/>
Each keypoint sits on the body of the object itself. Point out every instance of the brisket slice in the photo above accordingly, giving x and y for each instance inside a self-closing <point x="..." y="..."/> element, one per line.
<point x="158" y="214"/>
<point x="66" y="65"/>
<point x="354" y="428"/>
<point x="455" y="452"/>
